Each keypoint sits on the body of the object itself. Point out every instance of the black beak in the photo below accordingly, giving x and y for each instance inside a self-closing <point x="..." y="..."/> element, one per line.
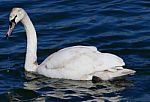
<point x="12" y="24"/>
<point x="11" y="27"/>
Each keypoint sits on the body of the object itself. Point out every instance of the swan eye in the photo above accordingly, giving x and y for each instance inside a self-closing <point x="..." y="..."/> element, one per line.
<point x="13" y="20"/>
<point x="11" y="17"/>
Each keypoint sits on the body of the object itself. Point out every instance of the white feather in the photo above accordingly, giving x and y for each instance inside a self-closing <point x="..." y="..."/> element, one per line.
<point x="76" y="63"/>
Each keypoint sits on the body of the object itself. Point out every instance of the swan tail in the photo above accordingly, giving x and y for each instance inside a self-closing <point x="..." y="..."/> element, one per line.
<point x="113" y="73"/>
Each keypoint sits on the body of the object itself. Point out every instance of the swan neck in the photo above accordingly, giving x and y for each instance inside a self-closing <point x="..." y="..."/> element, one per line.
<point x="31" y="53"/>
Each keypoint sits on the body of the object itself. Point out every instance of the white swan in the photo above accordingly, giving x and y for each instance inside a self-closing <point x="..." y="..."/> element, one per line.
<point x="76" y="63"/>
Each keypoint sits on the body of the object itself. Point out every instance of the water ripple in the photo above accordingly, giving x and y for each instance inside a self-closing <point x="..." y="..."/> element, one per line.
<point x="113" y="26"/>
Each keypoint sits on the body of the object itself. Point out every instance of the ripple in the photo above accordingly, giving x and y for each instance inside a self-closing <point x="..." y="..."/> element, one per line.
<point x="113" y="26"/>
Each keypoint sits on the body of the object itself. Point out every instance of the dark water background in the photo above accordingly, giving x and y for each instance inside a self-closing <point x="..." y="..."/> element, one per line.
<point x="121" y="27"/>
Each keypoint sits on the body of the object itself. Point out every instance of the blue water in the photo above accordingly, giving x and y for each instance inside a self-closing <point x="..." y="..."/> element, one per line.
<point x="121" y="27"/>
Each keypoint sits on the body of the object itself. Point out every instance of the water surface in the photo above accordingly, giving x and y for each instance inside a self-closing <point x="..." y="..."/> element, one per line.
<point x="121" y="27"/>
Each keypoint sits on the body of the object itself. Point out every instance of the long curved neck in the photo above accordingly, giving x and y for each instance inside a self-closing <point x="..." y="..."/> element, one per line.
<point x="31" y="53"/>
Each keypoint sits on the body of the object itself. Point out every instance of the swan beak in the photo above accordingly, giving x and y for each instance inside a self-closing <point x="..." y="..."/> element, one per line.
<point x="11" y="27"/>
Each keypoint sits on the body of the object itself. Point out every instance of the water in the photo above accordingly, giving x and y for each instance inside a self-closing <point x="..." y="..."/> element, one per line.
<point x="121" y="27"/>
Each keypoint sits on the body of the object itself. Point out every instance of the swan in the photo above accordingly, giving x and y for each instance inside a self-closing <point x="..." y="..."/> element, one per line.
<point x="75" y="63"/>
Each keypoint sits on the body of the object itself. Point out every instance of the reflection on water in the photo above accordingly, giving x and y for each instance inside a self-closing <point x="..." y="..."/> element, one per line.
<point x="121" y="27"/>
<point x="42" y="89"/>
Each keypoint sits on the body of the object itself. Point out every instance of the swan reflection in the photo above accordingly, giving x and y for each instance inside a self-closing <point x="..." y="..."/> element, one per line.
<point x="81" y="90"/>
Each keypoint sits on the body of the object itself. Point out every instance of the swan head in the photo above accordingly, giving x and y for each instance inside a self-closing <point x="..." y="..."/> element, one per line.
<point x="16" y="15"/>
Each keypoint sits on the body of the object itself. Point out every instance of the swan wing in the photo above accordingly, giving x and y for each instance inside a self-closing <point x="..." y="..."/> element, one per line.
<point x="67" y="55"/>
<point x="78" y="63"/>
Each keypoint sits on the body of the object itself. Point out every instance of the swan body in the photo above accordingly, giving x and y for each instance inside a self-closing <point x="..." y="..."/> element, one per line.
<point x="76" y="63"/>
<point x="79" y="63"/>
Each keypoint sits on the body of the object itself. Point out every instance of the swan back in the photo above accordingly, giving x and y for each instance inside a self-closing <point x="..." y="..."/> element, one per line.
<point x="78" y="63"/>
